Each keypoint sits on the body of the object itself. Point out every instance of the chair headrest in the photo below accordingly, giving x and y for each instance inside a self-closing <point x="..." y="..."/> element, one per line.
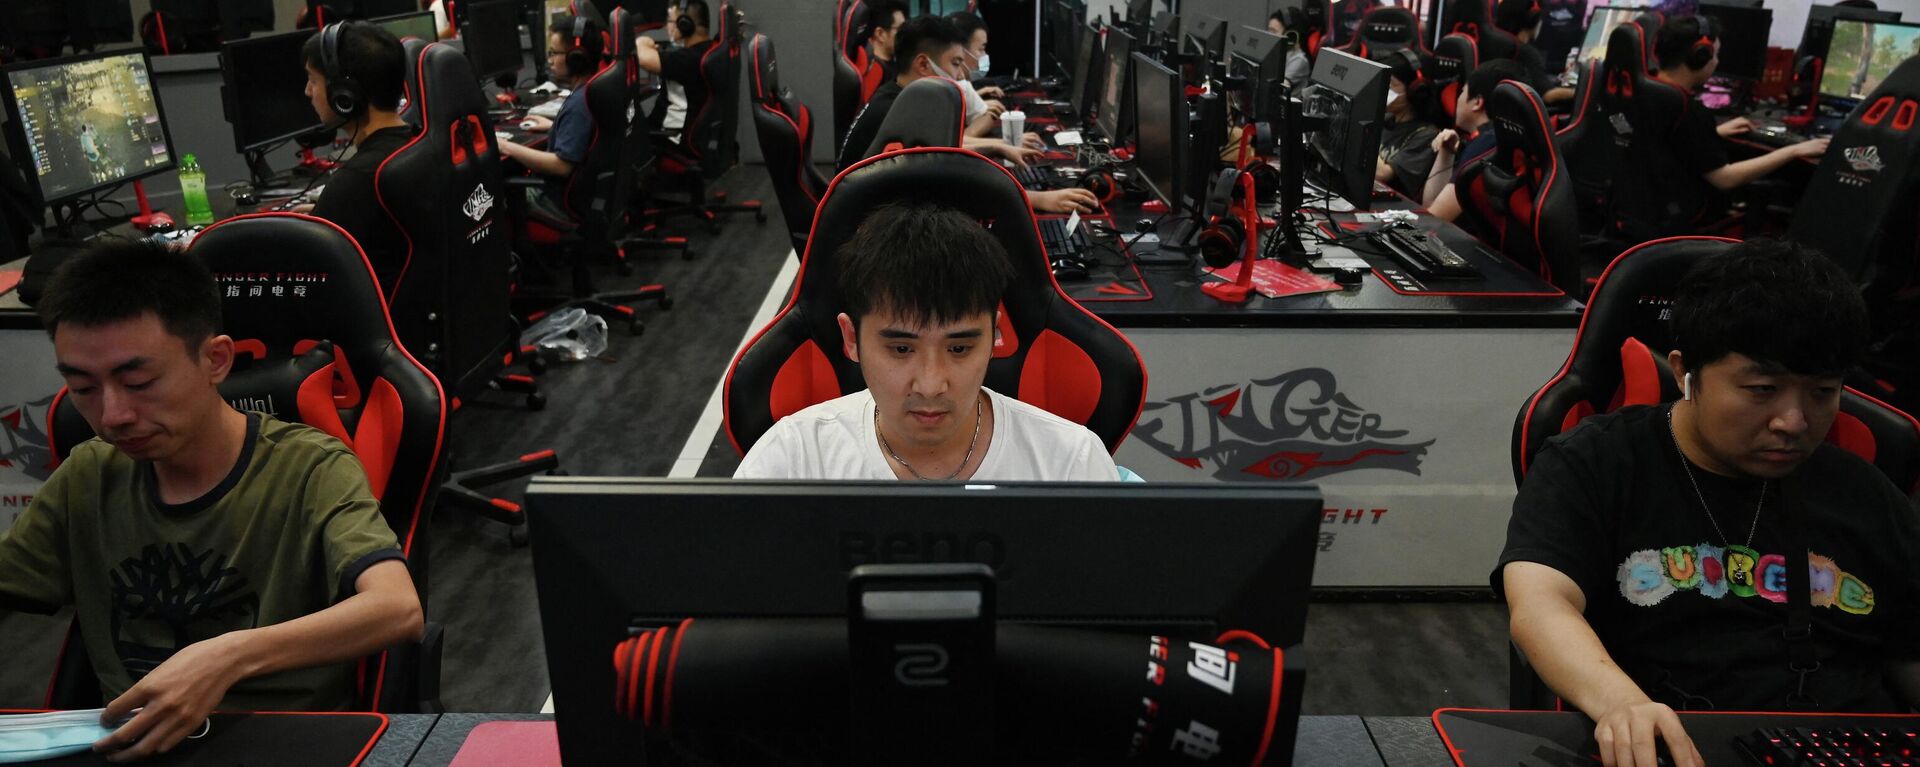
<point x="1389" y="27"/>
<point x="446" y="85"/>
<point x="1520" y="123"/>
<point x="766" y="76"/>
<point x="1866" y="181"/>
<point x="289" y="278"/>
<point x="1624" y="66"/>
<point x="625" y="29"/>
<point x="1454" y="57"/>
<point x="1633" y="296"/>
<point x="930" y="112"/>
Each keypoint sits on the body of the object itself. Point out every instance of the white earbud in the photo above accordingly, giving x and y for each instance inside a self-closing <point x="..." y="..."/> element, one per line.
<point x="1686" y="386"/>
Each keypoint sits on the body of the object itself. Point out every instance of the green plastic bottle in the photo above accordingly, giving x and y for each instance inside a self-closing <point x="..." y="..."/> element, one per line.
<point x="193" y="187"/>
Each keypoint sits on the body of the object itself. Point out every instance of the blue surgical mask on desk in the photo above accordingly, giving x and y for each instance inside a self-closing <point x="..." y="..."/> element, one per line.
<point x="32" y="737"/>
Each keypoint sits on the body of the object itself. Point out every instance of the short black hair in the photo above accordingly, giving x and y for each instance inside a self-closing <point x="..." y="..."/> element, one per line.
<point x="1484" y="78"/>
<point x="591" y="43"/>
<point x="1677" y="37"/>
<point x="371" y="56"/>
<point x="926" y="263"/>
<point x="115" y="279"/>
<point x="880" y="14"/>
<point x="702" y="17"/>
<point x="967" y="23"/>
<point x="1775" y="301"/>
<point x="931" y="35"/>
<point x="1516" y="16"/>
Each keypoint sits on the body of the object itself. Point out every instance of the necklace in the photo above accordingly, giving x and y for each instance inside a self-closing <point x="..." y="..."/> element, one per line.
<point x="1702" y="496"/>
<point x="909" y="467"/>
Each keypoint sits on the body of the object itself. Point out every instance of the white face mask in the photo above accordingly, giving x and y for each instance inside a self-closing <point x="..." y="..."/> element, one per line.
<point x="986" y="60"/>
<point x="1392" y="96"/>
<point x="32" y="737"/>
<point x="937" y="70"/>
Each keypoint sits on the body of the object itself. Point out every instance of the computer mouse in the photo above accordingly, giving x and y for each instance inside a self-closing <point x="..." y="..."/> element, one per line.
<point x="1349" y="277"/>
<point x="1069" y="269"/>
<point x="528" y="124"/>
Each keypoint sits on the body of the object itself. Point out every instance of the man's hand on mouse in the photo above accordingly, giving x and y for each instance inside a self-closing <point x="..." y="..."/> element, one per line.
<point x="537" y="124"/>
<point x="1074" y="200"/>
<point x="1629" y="735"/>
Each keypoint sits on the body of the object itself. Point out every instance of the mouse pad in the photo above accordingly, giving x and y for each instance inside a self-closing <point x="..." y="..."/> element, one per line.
<point x="252" y="740"/>
<point x="1479" y="738"/>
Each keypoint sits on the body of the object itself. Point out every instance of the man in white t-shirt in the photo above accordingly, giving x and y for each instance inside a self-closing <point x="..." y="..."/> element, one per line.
<point x="921" y="284"/>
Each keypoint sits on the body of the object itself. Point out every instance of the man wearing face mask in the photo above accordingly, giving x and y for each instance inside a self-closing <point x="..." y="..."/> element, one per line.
<point x="1413" y="120"/>
<point x="983" y="114"/>
<point x="931" y="46"/>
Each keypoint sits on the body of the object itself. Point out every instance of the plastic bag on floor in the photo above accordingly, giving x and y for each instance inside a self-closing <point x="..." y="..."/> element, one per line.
<point x="568" y="334"/>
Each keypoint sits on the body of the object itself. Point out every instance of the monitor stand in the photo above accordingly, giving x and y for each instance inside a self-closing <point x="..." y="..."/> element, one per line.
<point x="1293" y="180"/>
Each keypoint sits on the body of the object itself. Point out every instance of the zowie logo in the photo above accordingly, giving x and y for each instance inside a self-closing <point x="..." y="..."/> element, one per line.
<point x="920" y="665"/>
<point x="1293" y="427"/>
<point x="1865" y="159"/>
<point x="1213" y="667"/>
<point x="478" y="203"/>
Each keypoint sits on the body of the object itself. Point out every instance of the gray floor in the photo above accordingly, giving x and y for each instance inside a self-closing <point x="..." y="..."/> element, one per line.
<point x="631" y="413"/>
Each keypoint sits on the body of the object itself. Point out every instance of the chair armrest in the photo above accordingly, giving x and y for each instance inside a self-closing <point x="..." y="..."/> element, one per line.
<point x="526" y="182"/>
<point x="427" y="670"/>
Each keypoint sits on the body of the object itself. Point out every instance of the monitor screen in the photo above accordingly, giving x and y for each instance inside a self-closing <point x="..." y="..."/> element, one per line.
<point x="1862" y="53"/>
<point x="86" y="123"/>
<point x="612" y="555"/>
<point x="1351" y="93"/>
<point x="1813" y="39"/>
<point x="264" y="82"/>
<point x="491" y="33"/>
<point x="1600" y="28"/>
<point x="1081" y="90"/>
<point x="416" y="25"/>
<point x="1743" y="34"/>
<point x="1115" y="118"/>
<point x="1161" y="106"/>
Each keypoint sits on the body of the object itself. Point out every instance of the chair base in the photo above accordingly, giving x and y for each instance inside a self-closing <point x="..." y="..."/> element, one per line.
<point x="460" y="490"/>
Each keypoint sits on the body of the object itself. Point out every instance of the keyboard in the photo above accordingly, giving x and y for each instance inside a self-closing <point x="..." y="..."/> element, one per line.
<point x="1039" y="177"/>
<point x="1060" y="245"/>
<point x="1865" y="746"/>
<point x="1424" y="255"/>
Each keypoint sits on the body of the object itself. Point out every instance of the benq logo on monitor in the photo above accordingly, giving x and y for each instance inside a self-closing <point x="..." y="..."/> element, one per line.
<point x="1339" y="71"/>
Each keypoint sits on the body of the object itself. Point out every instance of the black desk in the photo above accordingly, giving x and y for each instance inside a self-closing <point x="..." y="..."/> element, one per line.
<point x="1400" y="406"/>
<point x="1408" y="741"/>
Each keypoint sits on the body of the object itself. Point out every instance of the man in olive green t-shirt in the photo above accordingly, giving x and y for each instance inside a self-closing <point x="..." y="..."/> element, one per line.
<point x="212" y="557"/>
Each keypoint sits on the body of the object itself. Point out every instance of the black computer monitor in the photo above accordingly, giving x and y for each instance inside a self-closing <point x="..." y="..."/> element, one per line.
<point x="1350" y="94"/>
<point x="1862" y="53"/>
<point x="1743" y="32"/>
<point x="1600" y="27"/>
<point x="419" y="25"/>
<point x="85" y="123"/>
<point x="1259" y="57"/>
<point x="1206" y="38"/>
<point x="491" y="33"/>
<point x="380" y="9"/>
<point x="263" y="85"/>
<point x="1139" y="12"/>
<point x="1115" y="115"/>
<point x="1165" y="30"/>
<point x="1063" y="39"/>
<point x="1160" y="102"/>
<point x="1084" y="88"/>
<point x="1186" y="561"/>
<point x="1814" y="39"/>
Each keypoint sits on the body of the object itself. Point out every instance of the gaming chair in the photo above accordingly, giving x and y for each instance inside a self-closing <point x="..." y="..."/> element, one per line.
<point x="709" y="144"/>
<point x="325" y="354"/>
<point x="593" y="217"/>
<point x="1650" y="23"/>
<point x="410" y="49"/>
<point x="1454" y="57"/>
<point x="784" y="126"/>
<point x="1319" y="17"/>
<point x="851" y="65"/>
<point x="1521" y="194"/>
<point x="1386" y="29"/>
<point x="1587" y="142"/>
<point x="1051" y="352"/>
<point x="1619" y="359"/>
<point x="1474" y="19"/>
<point x="1641" y="206"/>
<point x="1344" y="19"/>
<point x="1860" y="209"/>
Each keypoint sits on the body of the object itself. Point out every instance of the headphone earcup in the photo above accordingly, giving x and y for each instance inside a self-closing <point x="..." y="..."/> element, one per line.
<point x="1101" y="185"/>
<point x="1220" y="242"/>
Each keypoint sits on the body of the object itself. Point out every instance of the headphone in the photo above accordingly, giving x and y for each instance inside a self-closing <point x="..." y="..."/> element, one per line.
<point x="683" y="23"/>
<point x="1225" y="234"/>
<point x="1701" y="50"/>
<point x="1412" y="59"/>
<point x="343" y="94"/>
<point x="582" y="59"/>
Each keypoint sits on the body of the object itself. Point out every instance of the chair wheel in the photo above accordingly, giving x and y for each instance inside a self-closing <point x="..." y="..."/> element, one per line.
<point x="666" y="301"/>
<point x="517" y="536"/>
<point x="636" y="327"/>
<point x="537" y="401"/>
<point x="537" y="364"/>
<point x="760" y="215"/>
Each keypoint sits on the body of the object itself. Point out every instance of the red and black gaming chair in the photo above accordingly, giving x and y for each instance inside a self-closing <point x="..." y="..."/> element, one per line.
<point x="1588" y="142"/>
<point x="1521" y="194"/>
<point x="591" y="218"/>
<point x="1619" y="359"/>
<point x="453" y="300"/>
<point x="1317" y="16"/>
<point x="1386" y="29"/>
<point x="1474" y="19"/>
<point x="851" y="66"/>
<point x="1644" y="205"/>
<point x="1050" y="352"/>
<point x="1862" y="208"/>
<point x="930" y="111"/>
<point x="784" y="126"/>
<point x="1650" y="23"/>
<point x="1454" y="57"/>
<point x="1344" y="18"/>
<point x="709" y="145"/>
<point x="324" y="353"/>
